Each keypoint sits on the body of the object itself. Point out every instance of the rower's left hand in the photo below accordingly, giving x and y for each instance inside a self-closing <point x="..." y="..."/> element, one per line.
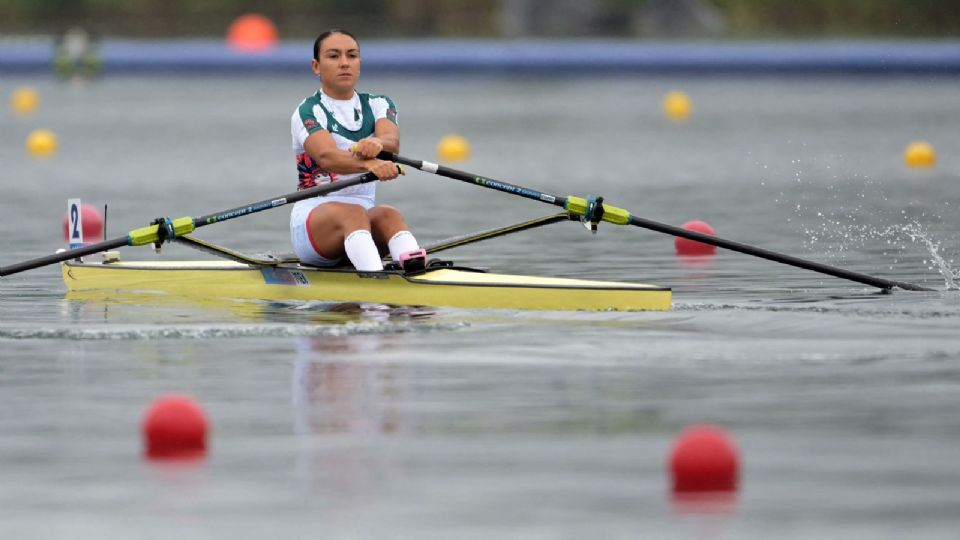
<point x="384" y="170"/>
<point x="367" y="148"/>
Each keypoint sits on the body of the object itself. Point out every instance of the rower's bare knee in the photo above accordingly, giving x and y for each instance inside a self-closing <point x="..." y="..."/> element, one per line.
<point x="352" y="218"/>
<point x="385" y="221"/>
<point x="334" y="221"/>
<point x="331" y="223"/>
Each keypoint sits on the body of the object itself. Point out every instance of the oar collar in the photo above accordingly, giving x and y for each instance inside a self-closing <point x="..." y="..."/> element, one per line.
<point x="593" y="214"/>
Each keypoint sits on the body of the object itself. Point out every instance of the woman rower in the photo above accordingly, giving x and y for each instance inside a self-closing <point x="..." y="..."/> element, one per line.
<point x="337" y="134"/>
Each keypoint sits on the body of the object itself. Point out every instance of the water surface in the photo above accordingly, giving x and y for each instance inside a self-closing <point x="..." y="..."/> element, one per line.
<point x="361" y="421"/>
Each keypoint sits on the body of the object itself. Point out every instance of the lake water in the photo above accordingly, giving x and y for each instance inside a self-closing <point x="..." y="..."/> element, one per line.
<point x="372" y="423"/>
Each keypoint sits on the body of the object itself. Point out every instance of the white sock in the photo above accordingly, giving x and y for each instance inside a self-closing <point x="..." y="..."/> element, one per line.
<point x="402" y="242"/>
<point x="362" y="252"/>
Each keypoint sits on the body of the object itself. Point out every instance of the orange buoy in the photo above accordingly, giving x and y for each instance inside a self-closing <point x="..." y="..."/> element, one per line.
<point x="252" y="33"/>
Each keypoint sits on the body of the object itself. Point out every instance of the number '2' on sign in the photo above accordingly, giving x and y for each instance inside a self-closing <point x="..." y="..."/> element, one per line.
<point x="75" y="228"/>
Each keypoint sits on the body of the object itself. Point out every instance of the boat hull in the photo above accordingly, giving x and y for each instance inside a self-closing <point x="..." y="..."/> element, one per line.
<point x="453" y="287"/>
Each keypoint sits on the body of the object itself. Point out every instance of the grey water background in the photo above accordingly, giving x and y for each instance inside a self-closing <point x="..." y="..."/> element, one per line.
<point x="446" y="423"/>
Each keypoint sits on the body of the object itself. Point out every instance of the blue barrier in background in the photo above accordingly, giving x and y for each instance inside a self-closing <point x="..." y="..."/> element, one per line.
<point x="572" y="57"/>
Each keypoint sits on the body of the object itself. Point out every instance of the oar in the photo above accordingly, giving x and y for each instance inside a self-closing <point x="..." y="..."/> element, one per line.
<point x="168" y="229"/>
<point x="594" y="210"/>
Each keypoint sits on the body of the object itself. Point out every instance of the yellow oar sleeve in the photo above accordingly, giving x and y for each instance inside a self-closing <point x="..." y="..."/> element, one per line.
<point x="611" y="214"/>
<point x="151" y="233"/>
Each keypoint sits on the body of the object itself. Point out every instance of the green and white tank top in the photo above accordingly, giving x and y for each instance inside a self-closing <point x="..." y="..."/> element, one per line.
<point x="347" y="121"/>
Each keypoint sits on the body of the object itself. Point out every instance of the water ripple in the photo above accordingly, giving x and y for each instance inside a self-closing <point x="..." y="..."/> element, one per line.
<point x="137" y="333"/>
<point x="924" y="312"/>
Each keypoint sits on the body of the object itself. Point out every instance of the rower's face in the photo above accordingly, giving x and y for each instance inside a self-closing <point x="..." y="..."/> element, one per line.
<point x="338" y="65"/>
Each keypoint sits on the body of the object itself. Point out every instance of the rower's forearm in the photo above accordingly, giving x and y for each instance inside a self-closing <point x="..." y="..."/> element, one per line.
<point x="341" y="162"/>
<point x="390" y="143"/>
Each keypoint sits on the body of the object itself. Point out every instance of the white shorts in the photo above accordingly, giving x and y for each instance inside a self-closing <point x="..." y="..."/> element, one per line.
<point x="303" y="247"/>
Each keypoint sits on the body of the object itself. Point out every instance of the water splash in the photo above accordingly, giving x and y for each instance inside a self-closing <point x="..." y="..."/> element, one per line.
<point x="916" y="232"/>
<point x="847" y="235"/>
<point x="846" y="229"/>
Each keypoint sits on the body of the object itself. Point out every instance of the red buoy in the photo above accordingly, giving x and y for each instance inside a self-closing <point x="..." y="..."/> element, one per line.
<point x="174" y="426"/>
<point x="92" y="221"/>
<point x="685" y="246"/>
<point x="704" y="458"/>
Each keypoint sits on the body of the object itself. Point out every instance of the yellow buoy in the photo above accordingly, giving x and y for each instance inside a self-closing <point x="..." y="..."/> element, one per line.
<point x="920" y="154"/>
<point x="676" y="106"/>
<point x="453" y="148"/>
<point x="41" y="143"/>
<point x="24" y="100"/>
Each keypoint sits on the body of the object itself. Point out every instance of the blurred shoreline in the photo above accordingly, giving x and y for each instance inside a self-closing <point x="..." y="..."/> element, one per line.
<point x="391" y="19"/>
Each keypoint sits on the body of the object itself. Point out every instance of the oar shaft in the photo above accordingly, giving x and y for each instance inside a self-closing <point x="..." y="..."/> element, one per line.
<point x="151" y="233"/>
<point x="774" y="256"/>
<point x="471" y="178"/>
<point x="63" y="256"/>
<point x="289" y="198"/>
<point x="619" y="216"/>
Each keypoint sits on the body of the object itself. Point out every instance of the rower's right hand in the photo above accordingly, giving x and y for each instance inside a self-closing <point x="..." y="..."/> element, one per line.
<point x="385" y="170"/>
